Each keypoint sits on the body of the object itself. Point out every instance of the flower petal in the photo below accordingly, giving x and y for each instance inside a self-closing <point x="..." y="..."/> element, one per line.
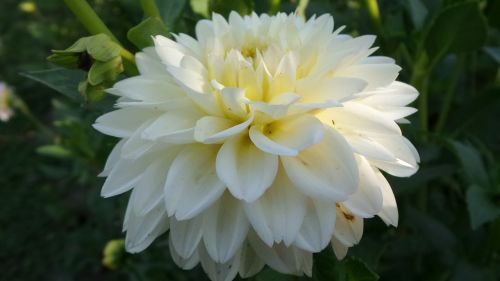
<point x="289" y="136"/>
<point x="184" y="263"/>
<point x="250" y="263"/>
<point x="218" y="271"/>
<point x="224" y="231"/>
<point x="142" y="230"/>
<point x="211" y="129"/>
<point x="186" y="235"/>
<point x="367" y="200"/>
<point x="326" y="170"/>
<point x="278" y="214"/>
<point x="389" y="213"/>
<point x="124" y="175"/>
<point x="122" y="123"/>
<point x="348" y="227"/>
<point x="176" y="126"/>
<point x="317" y="228"/>
<point x="246" y="170"/>
<point x="192" y="184"/>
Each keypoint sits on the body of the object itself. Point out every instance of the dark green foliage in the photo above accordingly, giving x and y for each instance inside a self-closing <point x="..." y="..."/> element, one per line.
<point x="55" y="225"/>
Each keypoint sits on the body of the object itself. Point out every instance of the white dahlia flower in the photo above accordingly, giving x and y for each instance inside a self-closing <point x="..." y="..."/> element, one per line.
<point x="258" y="142"/>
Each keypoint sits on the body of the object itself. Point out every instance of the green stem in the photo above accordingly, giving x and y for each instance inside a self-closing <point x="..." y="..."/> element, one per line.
<point x="150" y="9"/>
<point x="89" y="19"/>
<point x="275" y="7"/>
<point x="449" y="95"/>
<point x="374" y="12"/>
<point x="94" y="25"/>
<point x="301" y="8"/>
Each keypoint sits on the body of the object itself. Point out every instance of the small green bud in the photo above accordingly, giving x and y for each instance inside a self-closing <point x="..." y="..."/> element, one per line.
<point x="113" y="253"/>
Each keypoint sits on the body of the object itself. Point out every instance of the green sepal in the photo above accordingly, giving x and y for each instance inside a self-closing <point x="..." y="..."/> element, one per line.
<point x="105" y="71"/>
<point x="141" y="34"/>
<point x="92" y="93"/>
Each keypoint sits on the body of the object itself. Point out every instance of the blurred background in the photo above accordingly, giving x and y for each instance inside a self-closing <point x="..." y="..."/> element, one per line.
<point x="55" y="226"/>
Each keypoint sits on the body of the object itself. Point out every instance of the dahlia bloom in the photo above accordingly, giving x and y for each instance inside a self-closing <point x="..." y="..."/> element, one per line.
<point x="258" y="142"/>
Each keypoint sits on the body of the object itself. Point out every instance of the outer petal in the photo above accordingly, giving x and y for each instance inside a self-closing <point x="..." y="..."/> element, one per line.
<point x="218" y="271"/>
<point x="192" y="184"/>
<point x="123" y="122"/>
<point x="246" y="170"/>
<point x="184" y="263"/>
<point x="225" y="229"/>
<point x="142" y="230"/>
<point x="124" y="175"/>
<point x="389" y="213"/>
<point x="250" y="263"/>
<point x="326" y="170"/>
<point x="186" y="235"/>
<point x="317" y="228"/>
<point x="176" y="126"/>
<point x="277" y="216"/>
<point x="367" y="201"/>
<point x="288" y="260"/>
<point x="348" y="227"/>
<point x="287" y="137"/>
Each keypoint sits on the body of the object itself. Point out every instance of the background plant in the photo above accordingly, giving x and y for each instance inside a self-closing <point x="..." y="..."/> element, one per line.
<point x="55" y="225"/>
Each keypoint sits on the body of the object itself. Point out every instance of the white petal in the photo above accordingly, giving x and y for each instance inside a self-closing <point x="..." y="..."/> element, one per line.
<point x="359" y="118"/>
<point x="192" y="184"/>
<point x="289" y="136"/>
<point x="144" y="88"/>
<point x="277" y="216"/>
<point x="376" y="75"/>
<point x="367" y="201"/>
<point x="148" y="191"/>
<point x="366" y="146"/>
<point x="250" y="263"/>
<point x="336" y="88"/>
<point x="326" y="170"/>
<point x="186" y="235"/>
<point x="211" y="129"/>
<point x="149" y="63"/>
<point x="287" y="260"/>
<point x="218" y="271"/>
<point x="317" y="228"/>
<point x="348" y="227"/>
<point x="136" y="146"/>
<point x="246" y="170"/>
<point x="124" y="175"/>
<point x="169" y="51"/>
<point x="277" y="107"/>
<point x="142" y="230"/>
<point x="113" y="158"/>
<point x="184" y="263"/>
<point x="389" y="213"/>
<point x="233" y="101"/>
<point x="122" y="123"/>
<point x="175" y="126"/>
<point x="225" y="229"/>
<point x="339" y="249"/>
<point x="397" y="94"/>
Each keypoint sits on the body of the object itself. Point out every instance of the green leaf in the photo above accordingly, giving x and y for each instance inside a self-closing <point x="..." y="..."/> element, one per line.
<point x="140" y="35"/>
<point x="418" y="12"/>
<point x="481" y="207"/>
<point x="62" y="80"/>
<point x="200" y="7"/>
<point x="357" y="270"/>
<point x="224" y="7"/>
<point x="105" y="71"/>
<point x="473" y="166"/>
<point x="55" y="151"/>
<point x="170" y="11"/>
<point x="458" y="28"/>
<point x="327" y="267"/>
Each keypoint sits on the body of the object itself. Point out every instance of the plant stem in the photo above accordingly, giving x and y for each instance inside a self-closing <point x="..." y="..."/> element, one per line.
<point x="449" y="94"/>
<point x="94" y="25"/>
<point x="275" y="7"/>
<point x="374" y="12"/>
<point x="150" y="9"/>
<point x="301" y="8"/>
<point x="88" y="18"/>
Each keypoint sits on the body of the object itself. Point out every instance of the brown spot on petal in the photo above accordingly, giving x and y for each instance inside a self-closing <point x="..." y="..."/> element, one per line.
<point x="348" y="216"/>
